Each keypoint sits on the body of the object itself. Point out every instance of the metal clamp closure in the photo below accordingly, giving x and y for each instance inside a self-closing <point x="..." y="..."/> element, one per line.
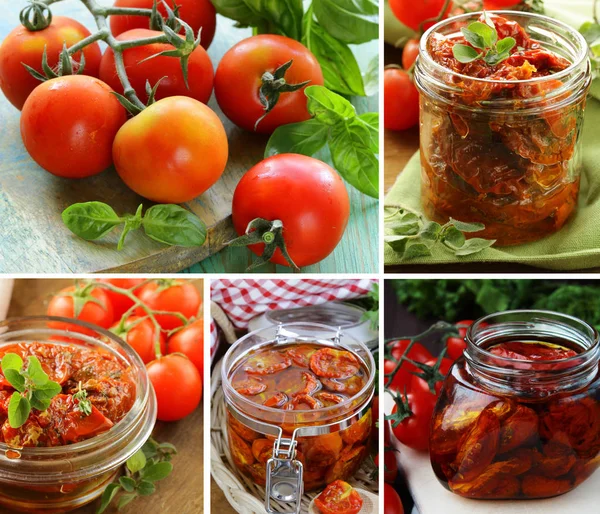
<point x="284" y="475"/>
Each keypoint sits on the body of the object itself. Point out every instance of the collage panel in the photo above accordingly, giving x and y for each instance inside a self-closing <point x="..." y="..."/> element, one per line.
<point x="492" y="395"/>
<point x="101" y="405"/>
<point x="294" y="396"/>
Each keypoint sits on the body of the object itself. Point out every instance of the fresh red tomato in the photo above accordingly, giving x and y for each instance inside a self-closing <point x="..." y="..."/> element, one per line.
<point x="457" y="345"/>
<point x="190" y="342"/>
<point x="401" y="100"/>
<point x="403" y="376"/>
<point x="84" y="303"/>
<point x="314" y="209"/>
<point x="120" y="303"/>
<point x="413" y="431"/>
<point x="391" y="501"/>
<point x="198" y="14"/>
<point x="420" y="388"/>
<point x="410" y="53"/>
<point x="171" y="296"/>
<point x="24" y="47"/>
<point x="412" y="13"/>
<point x="241" y="73"/>
<point x="339" y="498"/>
<point x="491" y="5"/>
<point x="177" y="384"/>
<point x="69" y="123"/>
<point x="140" y="334"/>
<point x="390" y="465"/>
<point x="162" y="68"/>
<point x="173" y="151"/>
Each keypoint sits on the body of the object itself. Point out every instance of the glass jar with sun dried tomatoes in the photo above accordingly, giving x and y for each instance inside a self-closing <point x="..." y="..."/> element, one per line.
<point x="500" y="142"/>
<point x="61" y="459"/>
<point x="519" y="416"/>
<point x="298" y="400"/>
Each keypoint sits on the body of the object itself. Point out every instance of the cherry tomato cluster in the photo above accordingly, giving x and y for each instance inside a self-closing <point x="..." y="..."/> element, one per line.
<point x="158" y="319"/>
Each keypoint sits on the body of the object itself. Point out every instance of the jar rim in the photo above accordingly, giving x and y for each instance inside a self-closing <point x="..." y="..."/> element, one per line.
<point x="581" y="57"/>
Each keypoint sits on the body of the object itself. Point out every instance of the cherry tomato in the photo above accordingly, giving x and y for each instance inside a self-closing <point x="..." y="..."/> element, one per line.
<point x="332" y="363"/>
<point x="314" y="209"/>
<point x="420" y="389"/>
<point x="93" y="307"/>
<point x="403" y="376"/>
<point x="491" y="5"/>
<point x="120" y="303"/>
<point x="414" y="430"/>
<point x="177" y="384"/>
<point x="457" y="345"/>
<point x="401" y="100"/>
<point x="162" y="68"/>
<point x="390" y="465"/>
<point x="190" y="341"/>
<point x="391" y="501"/>
<point x="69" y="123"/>
<point x="240" y="75"/>
<point x="140" y="335"/>
<point x="412" y="13"/>
<point x="24" y="47"/>
<point x="267" y="363"/>
<point x="171" y="296"/>
<point x="198" y="14"/>
<point x="410" y="53"/>
<point x="173" y="151"/>
<point x="339" y="498"/>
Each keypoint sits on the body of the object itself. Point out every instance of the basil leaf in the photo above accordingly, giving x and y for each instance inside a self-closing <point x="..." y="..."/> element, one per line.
<point x="464" y="53"/>
<point x="353" y="158"/>
<point x="350" y="21"/>
<point x="18" y="410"/>
<point x="371" y="77"/>
<point x="306" y="138"/>
<point x="505" y="45"/>
<point x="328" y="107"/>
<point x="136" y="462"/>
<point x="371" y="121"/>
<point x="174" y="225"/>
<point x="467" y="227"/>
<point x="90" y="220"/>
<point x="590" y="31"/>
<point x="340" y="68"/>
<point x="474" y="245"/>
<point x="107" y="496"/>
<point x="36" y="374"/>
<point x="157" y="471"/>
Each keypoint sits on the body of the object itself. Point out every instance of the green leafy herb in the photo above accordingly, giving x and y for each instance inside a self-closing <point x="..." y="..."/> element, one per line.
<point x="166" y="223"/>
<point x="591" y="32"/>
<point x="148" y="465"/>
<point x="353" y="140"/>
<point x="350" y="21"/>
<point x="34" y="389"/>
<point x="409" y="235"/>
<point x="372" y="314"/>
<point x="84" y="405"/>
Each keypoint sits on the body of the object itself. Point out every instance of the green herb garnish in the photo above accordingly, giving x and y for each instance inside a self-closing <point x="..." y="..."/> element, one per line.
<point x="83" y="403"/>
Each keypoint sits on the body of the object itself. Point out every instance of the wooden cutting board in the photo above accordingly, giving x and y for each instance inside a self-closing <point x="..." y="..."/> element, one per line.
<point x="34" y="239"/>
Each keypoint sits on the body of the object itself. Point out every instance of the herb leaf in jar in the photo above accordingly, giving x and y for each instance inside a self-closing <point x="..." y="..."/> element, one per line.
<point x="483" y="36"/>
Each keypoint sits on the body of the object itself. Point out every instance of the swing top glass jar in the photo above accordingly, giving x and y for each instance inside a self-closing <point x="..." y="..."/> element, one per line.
<point x="298" y="402"/>
<point x="519" y="415"/>
<point x="500" y="144"/>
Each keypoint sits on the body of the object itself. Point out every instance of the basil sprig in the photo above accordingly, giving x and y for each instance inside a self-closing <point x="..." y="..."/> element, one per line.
<point x="353" y="139"/>
<point x="483" y="36"/>
<point x="34" y="389"/>
<point x="166" y="223"/>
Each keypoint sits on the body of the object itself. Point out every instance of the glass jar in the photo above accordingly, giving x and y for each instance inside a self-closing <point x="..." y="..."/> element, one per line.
<point x="509" y="428"/>
<point x="303" y="449"/>
<point x="505" y="153"/>
<point x="63" y="478"/>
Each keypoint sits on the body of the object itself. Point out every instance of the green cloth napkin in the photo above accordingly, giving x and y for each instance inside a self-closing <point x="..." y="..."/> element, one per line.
<point x="577" y="244"/>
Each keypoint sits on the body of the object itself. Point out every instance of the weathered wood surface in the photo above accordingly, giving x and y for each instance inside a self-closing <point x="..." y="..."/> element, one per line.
<point x="183" y="490"/>
<point x="34" y="240"/>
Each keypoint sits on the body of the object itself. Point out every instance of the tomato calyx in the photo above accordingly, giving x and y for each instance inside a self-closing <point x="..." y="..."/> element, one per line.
<point x="36" y="16"/>
<point x="403" y="409"/>
<point x="157" y="21"/>
<point x="269" y="233"/>
<point x="430" y="374"/>
<point x="82" y="294"/>
<point x="273" y="84"/>
<point x="66" y="66"/>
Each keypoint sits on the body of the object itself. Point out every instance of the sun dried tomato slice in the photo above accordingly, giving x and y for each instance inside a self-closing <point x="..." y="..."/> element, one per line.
<point x="556" y="460"/>
<point x="351" y="386"/>
<point x="301" y="355"/>
<point x="359" y="431"/>
<point x="241" y="453"/>
<point x="518" y="428"/>
<point x="250" y="387"/>
<point x="267" y="363"/>
<point x="322" y="450"/>
<point x="277" y="400"/>
<point x="348" y="463"/>
<point x="262" y="449"/>
<point x="339" y="498"/>
<point x="242" y="430"/>
<point x="332" y="363"/>
<point x="329" y="399"/>
<point x="537" y="486"/>
<point x="311" y="384"/>
<point x="305" y="402"/>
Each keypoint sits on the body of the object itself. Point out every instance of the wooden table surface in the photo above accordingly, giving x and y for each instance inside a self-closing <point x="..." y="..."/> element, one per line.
<point x="183" y="491"/>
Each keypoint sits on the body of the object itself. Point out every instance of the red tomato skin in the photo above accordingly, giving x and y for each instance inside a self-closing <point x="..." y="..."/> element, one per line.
<point x="412" y="13"/>
<point x="237" y="87"/>
<point x="401" y="100"/>
<point x="312" y="229"/>
<point x="62" y="306"/>
<point x="420" y="389"/>
<point x="120" y="303"/>
<point x="491" y="5"/>
<point x="200" y="69"/>
<point x="403" y="377"/>
<point x="410" y="53"/>
<point x="180" y="297"/>
<point x="69" y="123"/>
<point x="196" y="13"/>
<point x="177" y="384"/>
<point x="391" y="501"/>
<point x="414" y="430"/>
<point x="390" y="465"/>
<point x="23" y="46"/>
<point x="190" y="342"/>
<point x="173" y="151"/>
<point x="141" y="338"/>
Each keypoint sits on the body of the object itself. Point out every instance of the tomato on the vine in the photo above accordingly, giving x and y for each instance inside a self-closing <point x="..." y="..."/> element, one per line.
<point x="140" y="334"/>
<point x="177" y="384"/>
<point x="198" y="14"/>
<point x="171" y="296"/>
<point x="241" y="74"/>
<point x="390" y="464"/>
<point x="305" y="194"/>
<point x="419" y="386"/>
<point x="413" y="431"/>
<point x="410" y="53"/>
<point x="403" y="376"/>
<point x="69" y="123"/>
<point x="84" y="303"/>
<point x="119" y="302"/>
<point x="190" y="341"/>
<point x="456" y="344"/>
<point x="391" y="501"/>
<point x="22" y="46"/>
<point x="412" y="13"/>
<point x="494" y="5"/>
<point x="171" y="152"/>
<point x="400" y="100"/>
<point x="161" y="68"/>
